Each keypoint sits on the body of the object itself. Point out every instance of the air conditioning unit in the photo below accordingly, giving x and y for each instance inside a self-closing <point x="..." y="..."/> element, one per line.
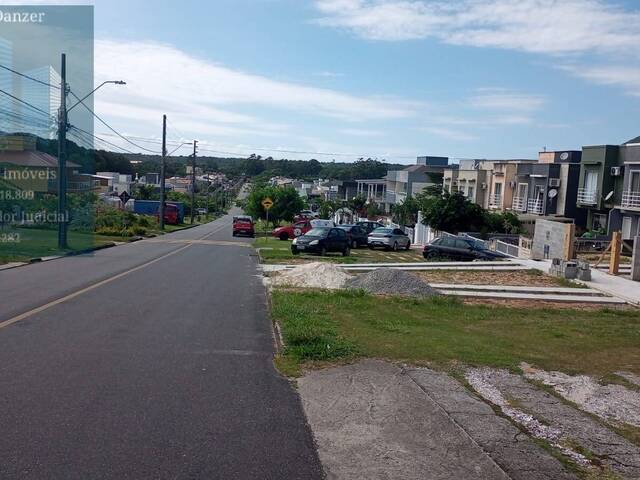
<point x="616" y="171"/>
<point x="554" y="182"/>
<point x="483" y="186"/>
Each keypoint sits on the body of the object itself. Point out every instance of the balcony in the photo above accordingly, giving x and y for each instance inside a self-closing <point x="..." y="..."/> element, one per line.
<point x="587" y="196"/>
<point x="520" y="204"/>
<point x="495" y="200"/>
<point x="630" y="199"/>
<point x="535" y="206"/>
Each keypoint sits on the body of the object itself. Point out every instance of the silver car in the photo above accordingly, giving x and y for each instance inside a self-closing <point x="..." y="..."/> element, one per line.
<point x="389" y="239"/>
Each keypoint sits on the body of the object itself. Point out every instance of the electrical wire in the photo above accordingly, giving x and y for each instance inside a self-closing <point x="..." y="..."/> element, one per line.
<point x="26" y="103"/>
<point x="30" y="78"/>
<point x="101" y="139"/>
<point x="110" y="127"/>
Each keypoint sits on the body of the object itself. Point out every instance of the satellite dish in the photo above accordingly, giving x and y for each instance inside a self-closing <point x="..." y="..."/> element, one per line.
<point x="564" y="156"/>
<point x="553" y="193"/>
<point x="609" y="195"/>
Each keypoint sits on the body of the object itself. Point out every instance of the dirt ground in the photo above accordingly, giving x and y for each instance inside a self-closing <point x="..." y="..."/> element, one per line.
<point x="516" y="278"/>
<point x="538" y="304"/>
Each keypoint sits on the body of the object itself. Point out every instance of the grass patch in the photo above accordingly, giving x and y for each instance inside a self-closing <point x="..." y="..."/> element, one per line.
<point x="319" y="325"/>
<point x="274" y="250"/>
<point x="42" y="243"/>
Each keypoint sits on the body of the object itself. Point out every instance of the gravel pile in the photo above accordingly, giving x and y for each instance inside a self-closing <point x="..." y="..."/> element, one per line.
<point x="388" y="281"/>
<point x="313" y="275"/>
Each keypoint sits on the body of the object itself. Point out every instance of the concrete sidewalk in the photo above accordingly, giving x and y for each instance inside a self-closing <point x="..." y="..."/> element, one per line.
<point x="375" y="420"/>
<point x="620" y="287"/>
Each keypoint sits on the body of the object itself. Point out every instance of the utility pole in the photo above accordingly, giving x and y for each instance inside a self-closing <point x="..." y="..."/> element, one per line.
<point x="193" y="180"/>
<point x="62" y="157"/>
<point x="162" y="169"/>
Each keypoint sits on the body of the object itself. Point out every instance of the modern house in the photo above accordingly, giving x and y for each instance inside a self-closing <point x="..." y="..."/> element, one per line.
<point x="625" y="216"/>
<point x="373" y="189"/>
<point x="469" y="177"/>
<point x="414" y="179"/>
<point x="502" y="181"/>
<point x="549" y="188"/>
<point x="600" y="184"/>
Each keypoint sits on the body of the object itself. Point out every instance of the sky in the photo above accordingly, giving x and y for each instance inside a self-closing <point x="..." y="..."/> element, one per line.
<point x="388" y="79"/>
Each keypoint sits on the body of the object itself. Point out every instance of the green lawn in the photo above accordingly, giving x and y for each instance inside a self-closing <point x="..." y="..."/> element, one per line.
<point x="330" y="326"/>
<point x="273" y="250"/>
<point x="33" y="243"/>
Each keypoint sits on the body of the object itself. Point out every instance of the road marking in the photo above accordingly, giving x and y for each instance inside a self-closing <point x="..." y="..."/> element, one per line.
<point x="77" y="293"/>
<point x="203" y="242"/>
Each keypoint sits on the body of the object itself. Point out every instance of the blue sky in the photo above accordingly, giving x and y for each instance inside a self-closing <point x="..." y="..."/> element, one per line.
<point x="382" y="78"/>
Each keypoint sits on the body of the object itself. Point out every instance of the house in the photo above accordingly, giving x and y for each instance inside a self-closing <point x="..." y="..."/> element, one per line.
<point x="600" y="184"/>
<point x="414" y="179"/>
<point x="549" y="188"/>
<point x="625" y="216"/>
<point x="118" y="182"/>
<point x="24" y="168"/>
<point x="469" y="178"/>
<point x="373" y="189"/>
<point x="501" y="183"/>
<point x="347" y="190"/>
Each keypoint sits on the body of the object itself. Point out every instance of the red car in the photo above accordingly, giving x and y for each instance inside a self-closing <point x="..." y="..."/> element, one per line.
<point x="171" y="214"/>
<point x="243" y="225"/>
<point x="292" y="231"/>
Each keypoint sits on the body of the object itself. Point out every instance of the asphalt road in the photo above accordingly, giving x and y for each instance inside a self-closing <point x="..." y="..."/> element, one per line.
<point x="151" y="360"/>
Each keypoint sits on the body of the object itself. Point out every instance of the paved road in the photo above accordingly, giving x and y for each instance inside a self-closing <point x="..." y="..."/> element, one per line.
<point x="156" y="364"/>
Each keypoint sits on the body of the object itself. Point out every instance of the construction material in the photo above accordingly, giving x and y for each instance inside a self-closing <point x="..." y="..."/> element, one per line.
<point x="388" y="281"/>
<point x="616" y="249"/>
<point x="313" y="275"/>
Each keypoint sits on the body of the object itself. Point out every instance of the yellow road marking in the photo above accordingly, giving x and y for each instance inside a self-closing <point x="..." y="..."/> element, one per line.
<point x="70" y="296"/>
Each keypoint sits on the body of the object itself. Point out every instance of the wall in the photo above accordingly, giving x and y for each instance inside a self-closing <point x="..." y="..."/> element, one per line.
<point x="552" y="240"/>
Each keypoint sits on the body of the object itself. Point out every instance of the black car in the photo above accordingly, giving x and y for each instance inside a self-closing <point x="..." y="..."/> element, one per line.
<point x="369" y="226"/>
<point x="322" y="240"/>
<point x="357" y="235"/>
<point x="459" y="248"/>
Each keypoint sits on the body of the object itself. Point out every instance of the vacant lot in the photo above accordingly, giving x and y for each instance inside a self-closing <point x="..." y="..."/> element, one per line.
<point x="326" y="326"/>
<point x="273" y="250"/>
<point x="528" y="278"/>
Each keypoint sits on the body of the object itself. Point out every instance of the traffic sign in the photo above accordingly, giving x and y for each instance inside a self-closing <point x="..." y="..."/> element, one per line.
<point x="267" y="203"/>
<point x="124" y="197"/>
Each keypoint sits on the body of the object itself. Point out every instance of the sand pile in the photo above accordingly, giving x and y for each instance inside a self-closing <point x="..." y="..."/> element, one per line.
<point x="313" y="275"/>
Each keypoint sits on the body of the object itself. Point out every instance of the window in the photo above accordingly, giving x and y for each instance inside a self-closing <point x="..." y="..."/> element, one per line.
<point x="591" y="180"/>
<point x="634" y="183"/>
<point x="497" y="189"/>
<point x="470" y="192"/>
<point x="462" y="245"/>
<point x="397" y="231"/>
<point x="600" y="222"/>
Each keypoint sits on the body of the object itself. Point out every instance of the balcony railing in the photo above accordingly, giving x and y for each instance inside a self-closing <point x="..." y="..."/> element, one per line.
<point x="520" y="204"/>
<point x="631" y="199"/>
<point x="495" y="200"/>
<point x="535" y="206"/>
<point x="587" y="196"/>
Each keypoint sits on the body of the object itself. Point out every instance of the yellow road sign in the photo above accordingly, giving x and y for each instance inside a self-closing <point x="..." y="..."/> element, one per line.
<point x="267" y="203"/>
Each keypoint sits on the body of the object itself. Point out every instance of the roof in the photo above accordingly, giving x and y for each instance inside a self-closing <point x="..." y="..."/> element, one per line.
<point x="31" y="158"/>
<point x="415" y="168"/>
<point x="632" y="141"/>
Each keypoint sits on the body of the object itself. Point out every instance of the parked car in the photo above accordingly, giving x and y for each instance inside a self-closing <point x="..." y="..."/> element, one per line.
<point x="309" y="214"/>
<point x="459" y="248"/>
<point x="322" y="240"/>
<point x="357" y="235"/>
<point x="243" y="225"/>
<point x="299" y="228"/>
<point x="369" y="226"/>
<point x="389" y="239"/>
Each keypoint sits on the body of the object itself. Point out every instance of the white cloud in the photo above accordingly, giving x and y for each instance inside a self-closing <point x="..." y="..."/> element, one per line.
<point x="500" y="99"/>
<point x="541" y="26"/>
<point x="158" y="74"/>
<point x="362" y="132"/>
<point x="625" y="76"/>
<point x="449" y="133"/>
<point x="329" y="74"/>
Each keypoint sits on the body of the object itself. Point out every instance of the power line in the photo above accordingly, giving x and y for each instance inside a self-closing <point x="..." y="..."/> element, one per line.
<point x="101" y="139"/>
<point x="110" y="127"/>
<point x="30" y="78"/>
<point x="26" y="103"/>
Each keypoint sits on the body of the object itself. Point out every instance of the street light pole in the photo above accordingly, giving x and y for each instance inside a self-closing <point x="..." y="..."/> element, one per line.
<point x="62" y="157"/>
<point x="193" y="180"/>
<point x="162" y="170"/>
<point x="116" y="82"/>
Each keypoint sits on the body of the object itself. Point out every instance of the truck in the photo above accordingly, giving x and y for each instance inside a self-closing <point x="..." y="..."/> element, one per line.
<point x="173" y="211"/>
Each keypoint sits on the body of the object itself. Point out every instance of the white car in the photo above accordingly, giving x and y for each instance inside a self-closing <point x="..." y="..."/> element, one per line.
<point x="309" y="214"/>
<point x="389" y="239"/>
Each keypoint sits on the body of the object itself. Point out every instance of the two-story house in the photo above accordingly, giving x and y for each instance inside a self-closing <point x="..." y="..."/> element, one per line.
<point x="414" y="179"/>
<point x="502" y="182"/>
<point x="600" y="184"/>
<point x="625" y="216"/>
<point x="473" y="180"/>
<point x="549" y="187"/>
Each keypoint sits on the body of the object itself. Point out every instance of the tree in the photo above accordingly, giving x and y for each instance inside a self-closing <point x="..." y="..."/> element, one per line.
<point x="327" y="208"/>
<point x="358" y="204"/>
<point x="452" y="213"/>
<point x="406" y="213"/>
<point x="286" y="203"/>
